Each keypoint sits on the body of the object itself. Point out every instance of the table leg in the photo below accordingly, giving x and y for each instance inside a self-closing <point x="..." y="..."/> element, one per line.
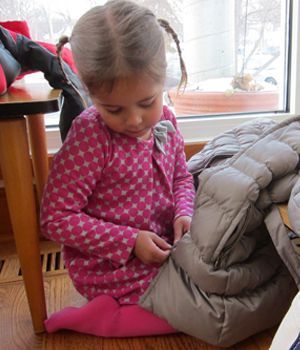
<point x="17" y="176"/>
<point x="38" y="145"/>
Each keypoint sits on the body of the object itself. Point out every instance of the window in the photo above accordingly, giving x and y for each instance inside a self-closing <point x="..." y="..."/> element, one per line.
<point x="238" y="55"/>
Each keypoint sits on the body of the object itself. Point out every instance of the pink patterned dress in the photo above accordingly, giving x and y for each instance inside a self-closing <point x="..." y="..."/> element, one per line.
<point x="102" y="189"/>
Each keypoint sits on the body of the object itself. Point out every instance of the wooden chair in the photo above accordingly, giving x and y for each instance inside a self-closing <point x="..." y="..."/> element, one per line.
<point x="20" y="136"/>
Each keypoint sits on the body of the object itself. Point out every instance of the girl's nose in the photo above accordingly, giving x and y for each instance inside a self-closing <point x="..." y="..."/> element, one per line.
<point x="134" y="119"/>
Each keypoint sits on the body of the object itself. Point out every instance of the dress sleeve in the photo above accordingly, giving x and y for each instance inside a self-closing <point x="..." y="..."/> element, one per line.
<point x="75" y="171"/>
<point x="183" y="184"/>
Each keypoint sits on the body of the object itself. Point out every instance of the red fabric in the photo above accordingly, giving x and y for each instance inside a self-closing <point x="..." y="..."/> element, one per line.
<point x="15" y="28"/>
<point x="104" y="317"/>
<point x="20" y="27"/>
<point x="3" y="85"/>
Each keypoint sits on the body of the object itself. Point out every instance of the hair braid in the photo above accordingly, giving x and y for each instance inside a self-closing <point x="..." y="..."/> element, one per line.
<point x="59" y="47"/>
<point x="166" y="26"/>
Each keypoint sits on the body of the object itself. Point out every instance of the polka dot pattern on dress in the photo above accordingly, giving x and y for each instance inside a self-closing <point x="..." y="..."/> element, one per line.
<point x="103" y="188"/>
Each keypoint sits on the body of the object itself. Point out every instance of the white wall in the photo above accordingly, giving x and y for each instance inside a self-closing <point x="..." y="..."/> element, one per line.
<point x="209" y="50"/>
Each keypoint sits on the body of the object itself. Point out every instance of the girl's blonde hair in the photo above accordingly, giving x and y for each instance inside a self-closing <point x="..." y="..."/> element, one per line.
<point x="117" y="40"/>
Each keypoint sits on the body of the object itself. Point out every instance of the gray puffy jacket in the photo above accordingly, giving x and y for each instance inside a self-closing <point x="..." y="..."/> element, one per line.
<point x="235" y="273"/>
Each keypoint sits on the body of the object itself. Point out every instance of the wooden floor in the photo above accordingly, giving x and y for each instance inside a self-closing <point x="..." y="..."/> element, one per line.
<point x="16" y="331"/>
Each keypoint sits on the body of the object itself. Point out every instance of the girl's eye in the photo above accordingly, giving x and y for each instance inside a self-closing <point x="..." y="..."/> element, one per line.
<point x="147" y="104"/>
<point x="114" y="111"/>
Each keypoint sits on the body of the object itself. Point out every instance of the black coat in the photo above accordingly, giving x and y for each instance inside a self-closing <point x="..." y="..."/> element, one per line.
<point x="20" y="54"/>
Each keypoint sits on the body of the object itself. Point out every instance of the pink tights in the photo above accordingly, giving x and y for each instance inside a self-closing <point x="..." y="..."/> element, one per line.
<point x="103" y="316"/>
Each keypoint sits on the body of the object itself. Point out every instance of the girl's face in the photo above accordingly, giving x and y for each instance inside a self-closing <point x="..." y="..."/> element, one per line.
<point x="133" y="106"/>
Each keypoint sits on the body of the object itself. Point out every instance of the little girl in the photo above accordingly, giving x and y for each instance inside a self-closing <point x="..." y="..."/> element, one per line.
<point x="119" y="194"/>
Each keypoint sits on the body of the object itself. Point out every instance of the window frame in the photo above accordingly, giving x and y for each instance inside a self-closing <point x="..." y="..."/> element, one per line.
<point x="204" y="128"/>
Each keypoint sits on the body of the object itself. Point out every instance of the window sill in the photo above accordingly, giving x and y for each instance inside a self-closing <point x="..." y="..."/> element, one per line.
<point x="194" y="129"/>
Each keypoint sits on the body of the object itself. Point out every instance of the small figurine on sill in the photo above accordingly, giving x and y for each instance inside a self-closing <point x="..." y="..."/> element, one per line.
<point x="245" y="82"/>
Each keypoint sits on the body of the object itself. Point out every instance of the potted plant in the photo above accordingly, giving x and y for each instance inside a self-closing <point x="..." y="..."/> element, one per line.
<point x="238" y="94"/>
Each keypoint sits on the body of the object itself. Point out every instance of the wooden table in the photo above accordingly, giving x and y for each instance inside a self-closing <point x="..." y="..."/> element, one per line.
<point x="31" y="100"/>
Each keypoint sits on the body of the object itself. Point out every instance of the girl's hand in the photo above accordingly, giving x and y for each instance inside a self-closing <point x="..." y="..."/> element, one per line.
<point x="150" y="248"/>
<point x="181" y="226"/>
